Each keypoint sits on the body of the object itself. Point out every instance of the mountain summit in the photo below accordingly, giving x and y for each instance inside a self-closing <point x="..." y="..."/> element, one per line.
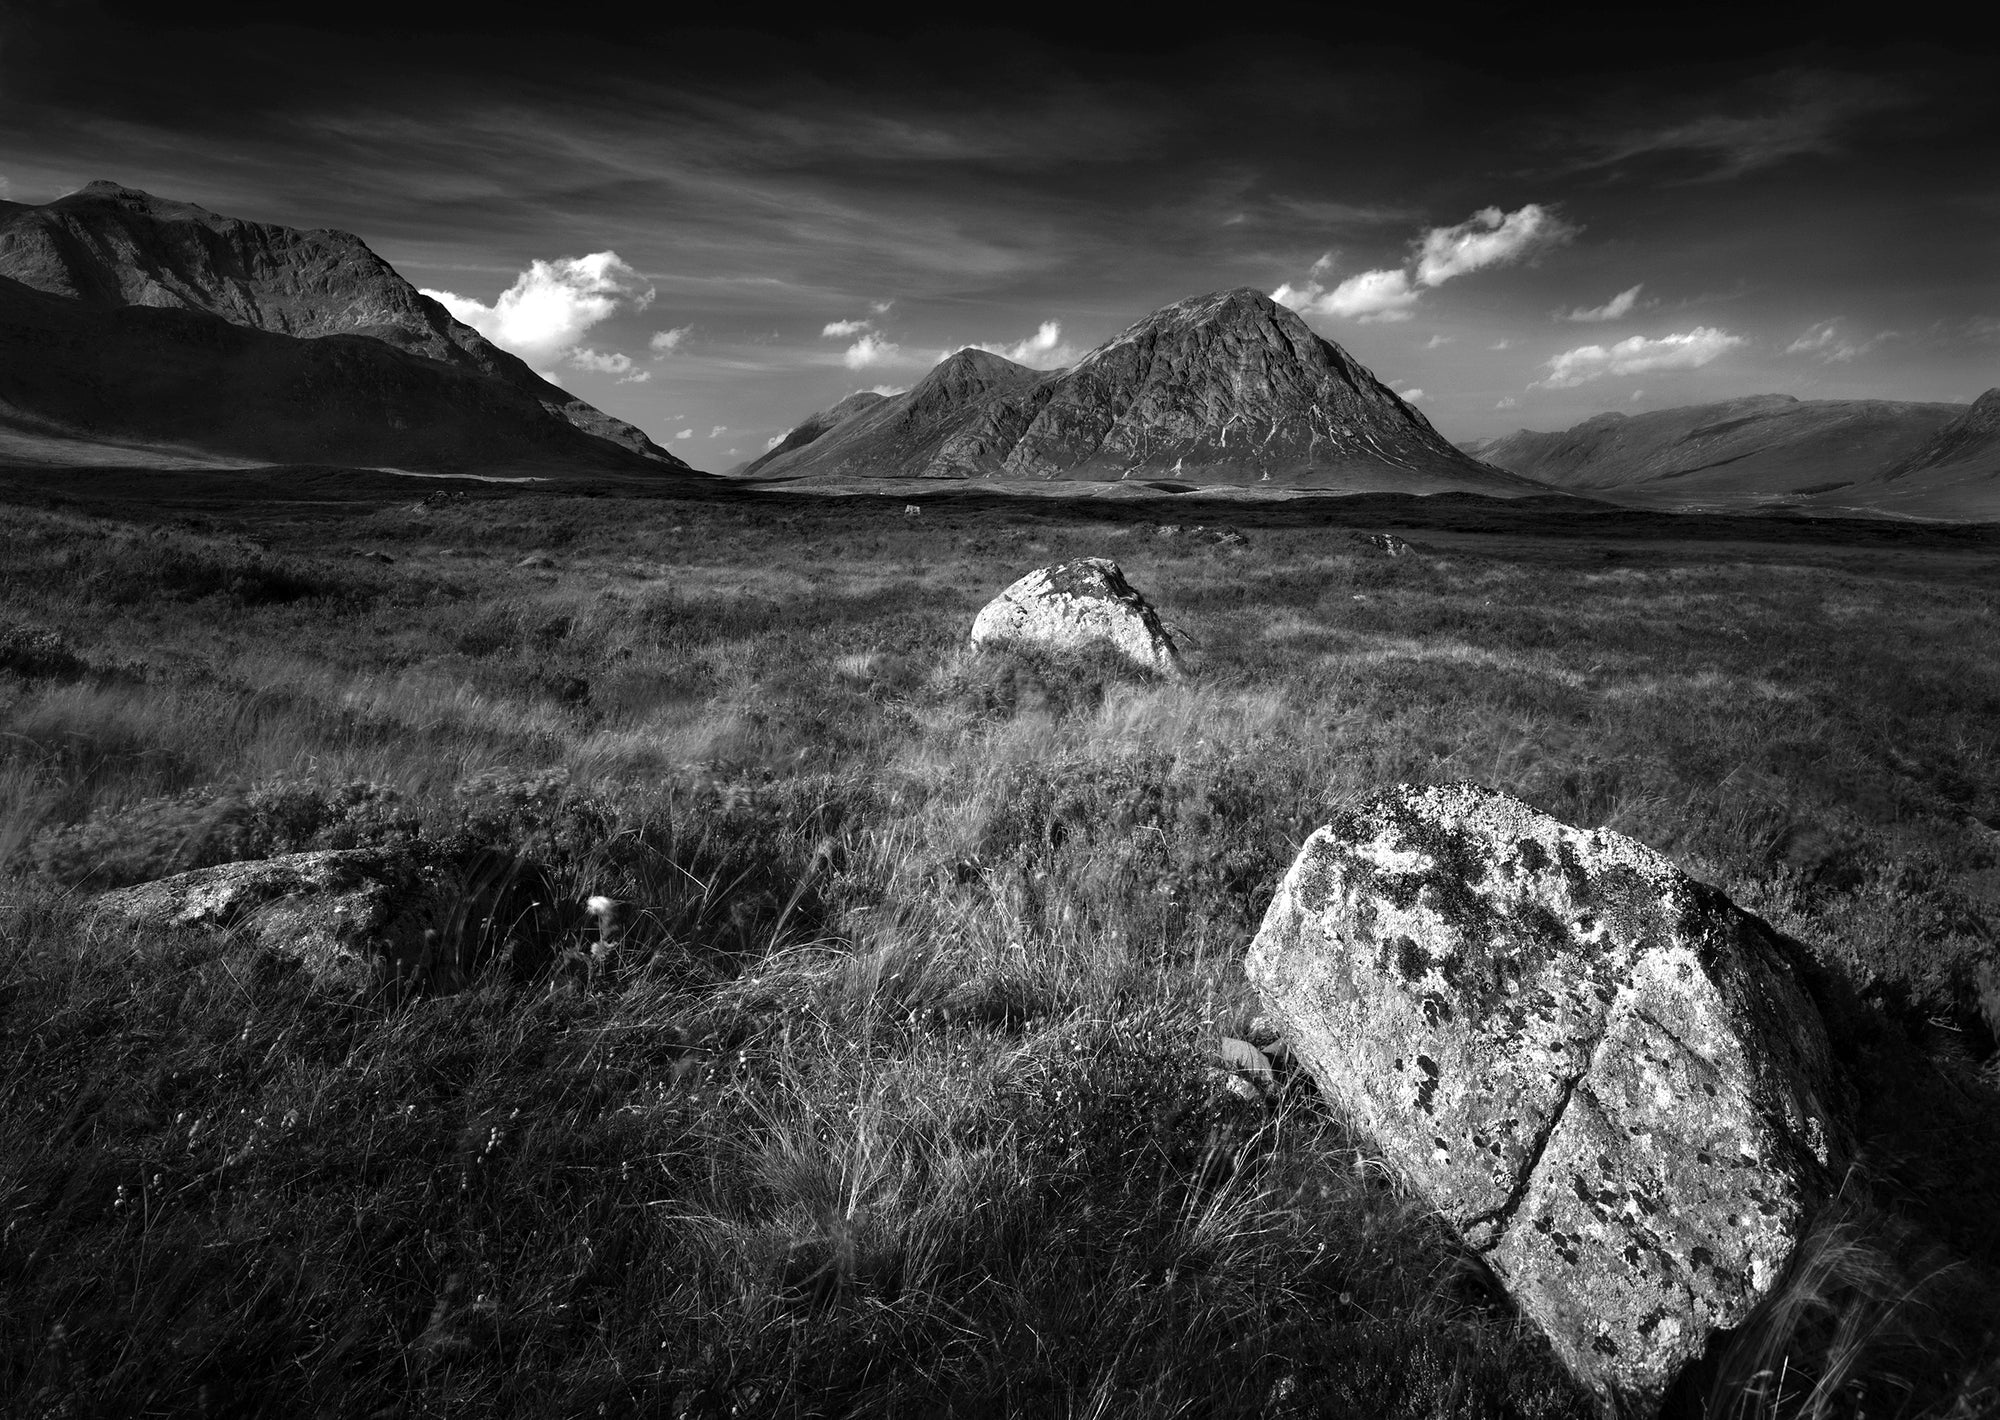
<point x="1226" y="388"/>
<point x="126" y="282"/>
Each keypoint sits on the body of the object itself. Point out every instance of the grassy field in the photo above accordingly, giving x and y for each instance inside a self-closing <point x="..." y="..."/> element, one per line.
<point x="903" y="1099"/>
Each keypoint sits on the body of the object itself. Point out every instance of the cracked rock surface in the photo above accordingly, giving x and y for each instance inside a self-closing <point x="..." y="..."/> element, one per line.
<point x="1602" y="1071"/>
<point x="1074" y="605"/>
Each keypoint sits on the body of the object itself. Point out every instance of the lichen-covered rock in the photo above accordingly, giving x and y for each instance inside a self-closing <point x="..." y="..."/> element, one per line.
<point x="360" y="916"/>
<point x="1603" y="1072"/>
<point x="1074" y="605"/>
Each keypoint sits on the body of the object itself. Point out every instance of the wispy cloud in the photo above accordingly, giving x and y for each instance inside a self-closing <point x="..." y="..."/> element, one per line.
<point x="606" y="363"/>
<point x="545" y="314"/>
<point x="1826" y="343"/>
<point x="1410" y="396"/>
<point x="666" y="342"/>
<point x="841" y="329"/>
<point x="1619" y="305"/>
<point x="1490" y="237"/>
<point x="1437" y="342"/>
<point x="1760" y="122"/>
<point x="1685" y="350"/>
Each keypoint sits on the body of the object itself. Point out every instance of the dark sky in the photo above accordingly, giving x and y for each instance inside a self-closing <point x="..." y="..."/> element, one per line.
<point x="716" y="225"/>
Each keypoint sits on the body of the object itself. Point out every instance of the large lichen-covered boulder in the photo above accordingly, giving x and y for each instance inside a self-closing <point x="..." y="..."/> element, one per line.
<point x="364" y="916"/>
<point x="1600" y="1070"/>
<point x="1075" y="605"/>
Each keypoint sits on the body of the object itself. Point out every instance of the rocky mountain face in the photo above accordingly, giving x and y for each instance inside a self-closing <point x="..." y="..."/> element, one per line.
<point x="815" y="425"/>
<point x="1761" y="445"/>
<point x="1224" y="388"/>
<point x="1969" y="444"/>
<point x="106" y="256"/>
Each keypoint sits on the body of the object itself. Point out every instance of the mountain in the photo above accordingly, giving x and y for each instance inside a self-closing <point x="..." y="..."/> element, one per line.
<point x="1229" y="388"/>
<point x="132" y="320"/>
<point x="1748" y="449"/>
<point x="1970" y="443"/>
<point x="813" y="426"/>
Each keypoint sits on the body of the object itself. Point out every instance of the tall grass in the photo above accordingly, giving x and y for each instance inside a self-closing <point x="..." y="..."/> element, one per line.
<point x="896" y="1087"/>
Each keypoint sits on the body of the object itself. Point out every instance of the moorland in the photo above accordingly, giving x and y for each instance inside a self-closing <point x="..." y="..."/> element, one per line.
<point x="906" y="1103"/>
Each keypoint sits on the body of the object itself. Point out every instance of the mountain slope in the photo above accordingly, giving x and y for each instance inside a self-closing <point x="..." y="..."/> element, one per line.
<point x="1757" y="446"/>
<point x="1228" y="388"/>
<point x="813" y="426"/>
<point x="108" y="249"/>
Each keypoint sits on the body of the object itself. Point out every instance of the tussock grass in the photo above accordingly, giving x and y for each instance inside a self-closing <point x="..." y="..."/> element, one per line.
<point x="896" y="1092"/>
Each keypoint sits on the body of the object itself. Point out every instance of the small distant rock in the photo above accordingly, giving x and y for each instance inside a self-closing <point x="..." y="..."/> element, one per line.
<point x="1074" y="605"/>
<point x="538" y="560"/>
<point x="1388" y="542"/>
<point x="362" y="916"/>
<point x="911" y="510"/>
<point x="1603" y="1072"/>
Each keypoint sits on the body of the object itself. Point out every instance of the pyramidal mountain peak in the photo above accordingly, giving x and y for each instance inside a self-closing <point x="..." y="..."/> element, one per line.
<point x="1224" y="388"/>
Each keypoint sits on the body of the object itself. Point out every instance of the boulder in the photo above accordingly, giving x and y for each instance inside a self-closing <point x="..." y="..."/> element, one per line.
<point x="365" y="915"/>
<point x="1075" y="605"/>
<point x="1606" y="1075"/>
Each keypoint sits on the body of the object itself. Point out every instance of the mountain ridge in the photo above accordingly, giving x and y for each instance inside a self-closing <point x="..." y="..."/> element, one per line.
<point x="106" y="249"/>
<point x="1226" y="388"/>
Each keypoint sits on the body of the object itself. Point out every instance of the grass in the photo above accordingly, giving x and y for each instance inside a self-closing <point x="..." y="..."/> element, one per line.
<point x="901" y="1096"/>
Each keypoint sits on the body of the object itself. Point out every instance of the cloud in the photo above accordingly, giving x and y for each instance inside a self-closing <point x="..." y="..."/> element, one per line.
<point x="1825" y="342"/>
<point x="551" y="305"/>
<point x="1501" y="345"/>
<point x="1764" y="122"/>
<point x="1437" y="340"/>
<point x="1619" y="305"/>
<point x="666" y="342"/>
<point x="887" y="390"/>
<point x="1410" y="396"/>
<point x="775" y="440"/>
<point x="1686" y="350"/>
<point x="1372" y="296"/>
<point x="605" y="364"/>
<point x="637" y="377"/>
<point x="845" y="328"/>
<point x="1044" y="350"/>
<point x="718" y="431"/>
<point x="881" y="308"/>
<point x="1506" y="402"/>
<point x="685" y="434"/>
<point x="1489" y="237"/>
<point x="870" y="349"/>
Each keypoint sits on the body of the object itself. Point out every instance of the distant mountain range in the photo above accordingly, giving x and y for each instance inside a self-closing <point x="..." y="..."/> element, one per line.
<point x="1229" y="388"/>
<point x="1921" y="460"/>
<point x="133" y="327"/>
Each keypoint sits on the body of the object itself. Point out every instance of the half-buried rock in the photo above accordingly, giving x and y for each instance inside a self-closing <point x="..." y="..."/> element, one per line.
<point x="363" y="916"/>
<point x="1601" y="1071"/>
<point x="1076" y="605"/>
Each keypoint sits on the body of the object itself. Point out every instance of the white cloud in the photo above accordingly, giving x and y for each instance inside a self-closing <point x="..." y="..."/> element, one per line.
<point x="1410" y="396"/>
<point x="870" y="349"/>
<point x="1044" y="350"/>
<point x="1686" y="350"/>
<point x="552" y="304"/>
<point x="1638" y="395"/>
<point x="1372" y="296"/>
<point x="1825" y="342"/>
<point x="685" y="434"/>
<point x="718" y="431"/>
<point x="1619" y="305"/>
<point x="1437" y="340"/>
<point x="731" y="451"/>
<point x="776" y="439"/>
<point x="1489" y="237"/>
<point x="637" y="377"/>
<point x="666" y="342"/>
<point x="1501" y="345"/>
<point x="844" y="328"/>
<point x="612" y="363"/>
<point x="886" y="390"/>
<point x="881" y="308"/>
<point x="1506" y="402"/>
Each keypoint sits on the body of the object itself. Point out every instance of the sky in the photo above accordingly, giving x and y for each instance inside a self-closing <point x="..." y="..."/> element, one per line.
<point x="713" y="226"/>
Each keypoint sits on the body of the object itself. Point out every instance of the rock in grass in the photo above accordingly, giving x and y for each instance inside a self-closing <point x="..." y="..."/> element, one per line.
<point x="1602" y="1071"/>
<point x="1076" y="605"/>
<point x="365" y="915"/>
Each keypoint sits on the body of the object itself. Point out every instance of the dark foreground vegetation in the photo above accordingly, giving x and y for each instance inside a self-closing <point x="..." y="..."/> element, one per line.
<point x="901" y="1098"/>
